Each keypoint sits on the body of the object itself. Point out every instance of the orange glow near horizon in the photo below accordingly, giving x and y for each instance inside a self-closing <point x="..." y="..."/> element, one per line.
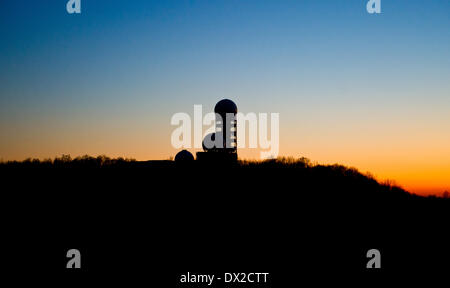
<point x="419" y="177"/>
<point x="416" y="159"/>
<point x="364" y="91"/>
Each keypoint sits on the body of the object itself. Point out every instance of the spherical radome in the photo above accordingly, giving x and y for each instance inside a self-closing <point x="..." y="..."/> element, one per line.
<point x="211" y="137"/>
<point x="225" y="106"/>
<point x="184" y="155"/>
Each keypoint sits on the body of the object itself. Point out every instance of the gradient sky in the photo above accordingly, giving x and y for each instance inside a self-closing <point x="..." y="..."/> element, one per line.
<point x="369" y="91"/>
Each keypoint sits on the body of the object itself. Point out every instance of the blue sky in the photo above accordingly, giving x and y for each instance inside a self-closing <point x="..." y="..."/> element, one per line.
<point x="109" y="79"/>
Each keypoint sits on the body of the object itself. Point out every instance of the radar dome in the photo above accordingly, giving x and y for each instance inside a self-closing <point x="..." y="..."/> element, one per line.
<point x="225" y="106"/>
<point x="209" y="142"/>
<point x="184" y="155"/>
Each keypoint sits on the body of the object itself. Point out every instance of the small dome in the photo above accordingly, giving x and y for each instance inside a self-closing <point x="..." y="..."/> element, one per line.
<point x="225" y="106"/>
<point x="209" y="142"/>
<point x="209" y="138"/>
<point x="184" y="155"/>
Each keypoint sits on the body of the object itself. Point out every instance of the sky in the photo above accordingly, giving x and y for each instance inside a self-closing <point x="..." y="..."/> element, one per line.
<point x="370" y="91"/>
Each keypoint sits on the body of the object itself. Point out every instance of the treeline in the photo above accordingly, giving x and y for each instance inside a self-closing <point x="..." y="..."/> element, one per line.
<point x="302" y="167"/>
<point x="68" y="161"/>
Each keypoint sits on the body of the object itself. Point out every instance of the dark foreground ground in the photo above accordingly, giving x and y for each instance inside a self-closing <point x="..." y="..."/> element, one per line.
<point x="149" y="222"/>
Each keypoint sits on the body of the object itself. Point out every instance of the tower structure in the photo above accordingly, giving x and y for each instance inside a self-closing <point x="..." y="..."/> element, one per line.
<point x="221" y="146"/>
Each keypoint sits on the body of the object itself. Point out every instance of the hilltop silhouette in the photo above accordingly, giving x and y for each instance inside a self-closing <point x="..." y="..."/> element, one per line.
<point x="245" y="212"/>
<point x="302" y="169"/>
